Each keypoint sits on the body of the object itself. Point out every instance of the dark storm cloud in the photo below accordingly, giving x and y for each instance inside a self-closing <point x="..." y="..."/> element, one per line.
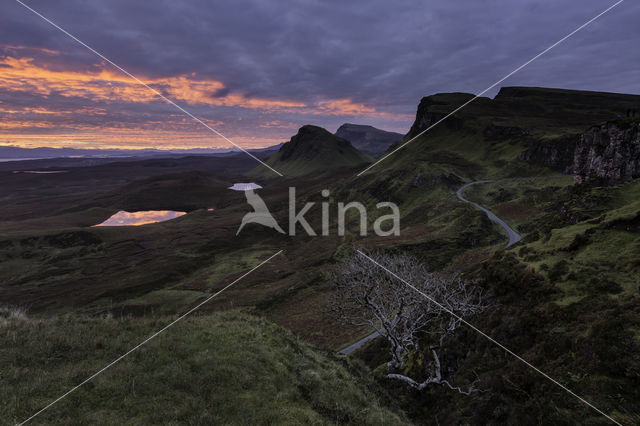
<point x="384" y="54"/>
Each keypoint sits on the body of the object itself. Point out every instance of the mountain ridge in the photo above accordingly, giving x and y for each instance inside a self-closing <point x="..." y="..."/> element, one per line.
<point x="312" y="150"/>
<point x="368" y="139"/>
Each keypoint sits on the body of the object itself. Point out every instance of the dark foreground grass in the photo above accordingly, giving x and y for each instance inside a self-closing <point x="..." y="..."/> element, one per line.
<point x="226" y="368"/>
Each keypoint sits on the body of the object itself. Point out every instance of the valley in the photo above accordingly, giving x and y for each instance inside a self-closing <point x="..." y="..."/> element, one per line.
<point x="562" y="282"/>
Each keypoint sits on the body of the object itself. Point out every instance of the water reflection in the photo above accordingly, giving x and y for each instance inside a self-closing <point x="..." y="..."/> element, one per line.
<point x="123" y="218"/>
<point x="40" y="172"/>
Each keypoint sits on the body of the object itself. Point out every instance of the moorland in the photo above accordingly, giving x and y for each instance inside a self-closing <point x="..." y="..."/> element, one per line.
<point x="565" y="298"/>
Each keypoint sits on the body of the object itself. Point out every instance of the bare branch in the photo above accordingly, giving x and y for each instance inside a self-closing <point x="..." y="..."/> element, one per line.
<point x="370" y="296"/>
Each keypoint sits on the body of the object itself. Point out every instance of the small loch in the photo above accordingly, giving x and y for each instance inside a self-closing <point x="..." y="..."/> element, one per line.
<point x="123" y="218"/>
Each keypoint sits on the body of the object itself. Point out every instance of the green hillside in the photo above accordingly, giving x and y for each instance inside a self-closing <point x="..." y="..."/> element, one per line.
<point x="313" y="150"/>
<point x="227" y="368"/>
<point x="565" y="298"/>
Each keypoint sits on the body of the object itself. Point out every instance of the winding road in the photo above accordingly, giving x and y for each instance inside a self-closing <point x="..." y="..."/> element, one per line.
<point x="514" y="237"/>
<point x="353" y="347"/>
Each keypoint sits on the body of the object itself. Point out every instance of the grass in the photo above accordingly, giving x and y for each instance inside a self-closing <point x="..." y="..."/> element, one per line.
<point x="233" y="263"/>
<point x="595" y="251"/>
<point x="166" y="301"/>
<point x="184" y="294"/>
<point x="598" y="253"/>
<point x="228" y="368"/>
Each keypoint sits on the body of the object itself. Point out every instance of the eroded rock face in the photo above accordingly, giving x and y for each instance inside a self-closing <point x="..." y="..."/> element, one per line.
<point x="556" y="154"/>
<point x="436" y="107"/>
<point x="608" y="153"/>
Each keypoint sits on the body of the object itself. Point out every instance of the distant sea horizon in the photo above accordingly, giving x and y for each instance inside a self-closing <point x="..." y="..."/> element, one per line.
<point x="6" y="160"/>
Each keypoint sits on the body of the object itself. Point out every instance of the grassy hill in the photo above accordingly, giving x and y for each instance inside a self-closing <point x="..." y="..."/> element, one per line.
<point x="227" y="368"/>
<point x="312" y="150"/>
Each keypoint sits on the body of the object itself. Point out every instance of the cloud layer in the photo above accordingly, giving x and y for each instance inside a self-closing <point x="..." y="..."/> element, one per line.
<point x="256" y="70"/>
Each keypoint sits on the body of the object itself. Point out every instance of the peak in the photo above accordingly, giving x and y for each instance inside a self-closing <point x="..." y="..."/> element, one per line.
<point x="311" y="138"/>
<point x="447" y="98"/>
<point x="357" y="126"/>
<point x="315" y="150"/>
<point x="309" y="128"/>
<point x="368" y="139"/>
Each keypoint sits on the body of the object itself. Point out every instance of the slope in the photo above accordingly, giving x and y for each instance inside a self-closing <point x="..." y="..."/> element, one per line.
<point x="227" y="368"/>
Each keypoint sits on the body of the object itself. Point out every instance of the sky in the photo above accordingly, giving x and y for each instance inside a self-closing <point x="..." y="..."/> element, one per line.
<point x="257" y="70"/>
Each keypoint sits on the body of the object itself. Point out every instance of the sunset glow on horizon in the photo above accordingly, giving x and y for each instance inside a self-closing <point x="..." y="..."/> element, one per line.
<point x="102" y="108"/>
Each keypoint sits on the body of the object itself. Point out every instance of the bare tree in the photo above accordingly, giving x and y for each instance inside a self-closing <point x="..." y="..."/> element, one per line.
<point x="366" y="294"/>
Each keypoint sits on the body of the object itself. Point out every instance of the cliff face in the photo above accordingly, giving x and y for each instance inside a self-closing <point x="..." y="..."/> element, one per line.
<point x="609" y="153"/>
<point x="556" y="154"/>
<point x="434" y="108"/>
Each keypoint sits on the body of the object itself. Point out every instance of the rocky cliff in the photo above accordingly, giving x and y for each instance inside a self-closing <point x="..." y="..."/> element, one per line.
<point x="557" y="154"/>
<point x="609" y="153"/>
<point x="436" y="107"/>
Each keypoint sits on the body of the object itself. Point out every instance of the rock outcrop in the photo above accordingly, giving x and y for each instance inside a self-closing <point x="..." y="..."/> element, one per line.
<point x="436" y="107"/>
<point x="609" y="153"/>
<point x="557" y="154"/>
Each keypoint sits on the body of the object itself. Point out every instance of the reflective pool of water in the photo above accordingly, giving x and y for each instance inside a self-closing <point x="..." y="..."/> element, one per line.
<point x="123" y="218"/>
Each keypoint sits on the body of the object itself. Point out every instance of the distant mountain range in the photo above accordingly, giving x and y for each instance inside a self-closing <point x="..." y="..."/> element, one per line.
<point x="18" y="153"/>
<point x="368" y="139"/>
<point x="312" y="150"/>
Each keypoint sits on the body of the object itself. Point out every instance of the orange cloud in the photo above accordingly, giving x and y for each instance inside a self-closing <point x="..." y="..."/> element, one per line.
<point x="42" y="124"/>
<point x="41" y="50"/>
<point x="23" y="74"/>
<point x="344" y="107"/>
